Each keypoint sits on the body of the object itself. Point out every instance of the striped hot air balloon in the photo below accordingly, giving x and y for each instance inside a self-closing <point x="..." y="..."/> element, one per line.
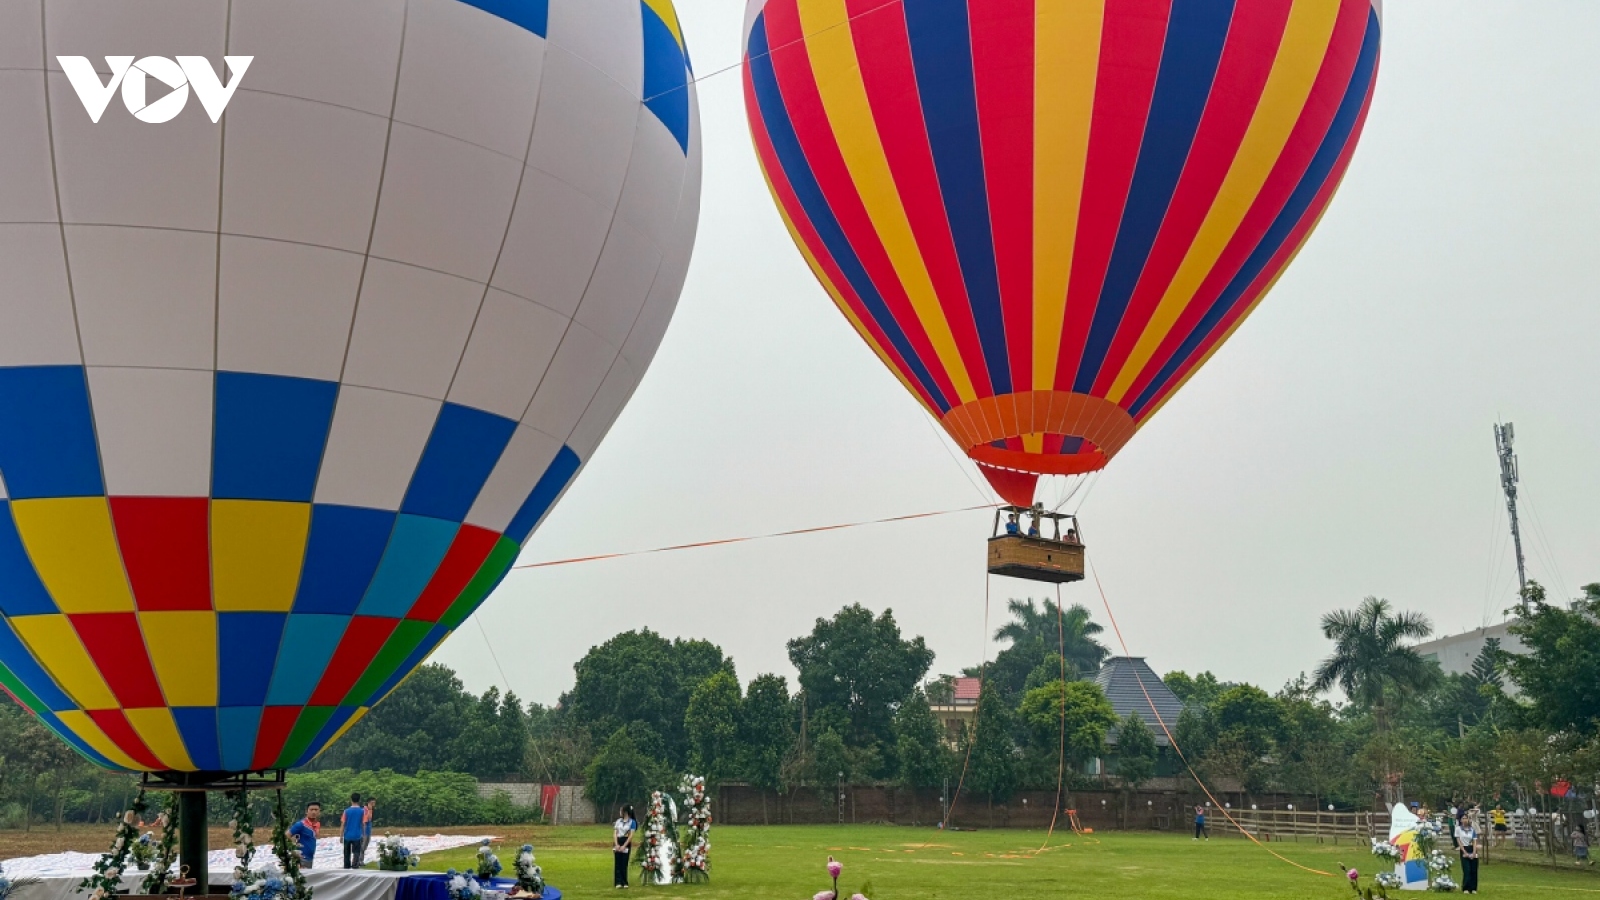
<point x="1045" y="215"/>
<point x="282" y="395"/>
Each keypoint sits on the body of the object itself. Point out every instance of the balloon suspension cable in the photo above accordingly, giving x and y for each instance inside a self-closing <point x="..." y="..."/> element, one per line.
<point x="961" y="463"/>
<point x="1061" y="757"/>
<point x="755" y="537"/>
<point x="977" y="714"/>
<point x="1173" y="740"/>
<point x="506" y="682"/>
<point x="771" y="50"/>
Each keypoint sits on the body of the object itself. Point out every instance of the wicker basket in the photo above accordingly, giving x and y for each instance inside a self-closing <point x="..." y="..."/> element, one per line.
<point x="1036" y="559"/>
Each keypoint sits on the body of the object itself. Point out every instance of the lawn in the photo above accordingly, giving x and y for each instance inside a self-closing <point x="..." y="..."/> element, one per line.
<point x="924" y="864"/>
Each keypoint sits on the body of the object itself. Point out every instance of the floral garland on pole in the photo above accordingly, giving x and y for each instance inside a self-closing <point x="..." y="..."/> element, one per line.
<point x="696" y="862"/>
<point x="107" y="878"/>
<point x="660" y="863"/>
<point x="244" y="829"/>
<point x="288" y="856"/>
<point x="165" y="851"/>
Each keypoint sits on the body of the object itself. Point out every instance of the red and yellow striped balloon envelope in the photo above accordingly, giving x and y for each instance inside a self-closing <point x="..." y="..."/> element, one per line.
<point x="1045" y="215"/>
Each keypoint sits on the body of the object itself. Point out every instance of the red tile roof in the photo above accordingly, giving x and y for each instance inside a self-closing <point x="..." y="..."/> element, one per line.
<point x="967" y="689"/>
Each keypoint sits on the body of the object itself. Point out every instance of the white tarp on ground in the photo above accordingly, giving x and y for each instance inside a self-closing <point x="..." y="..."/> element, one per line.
<point x="330" y="855"/>
<point x="326" y="884"/>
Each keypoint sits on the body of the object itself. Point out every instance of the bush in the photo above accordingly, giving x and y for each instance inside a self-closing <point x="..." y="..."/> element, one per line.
<point x="428" y="798"/>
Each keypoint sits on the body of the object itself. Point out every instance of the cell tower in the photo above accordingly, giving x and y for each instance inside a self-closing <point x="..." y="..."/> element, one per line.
<point x="1503" y="435"/>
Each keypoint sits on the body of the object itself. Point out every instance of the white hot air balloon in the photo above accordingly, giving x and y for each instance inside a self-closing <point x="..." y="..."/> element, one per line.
<point x="310" y="310"/>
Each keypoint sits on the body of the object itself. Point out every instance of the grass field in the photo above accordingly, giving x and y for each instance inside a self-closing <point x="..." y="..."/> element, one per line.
<point x="787" y="862"/>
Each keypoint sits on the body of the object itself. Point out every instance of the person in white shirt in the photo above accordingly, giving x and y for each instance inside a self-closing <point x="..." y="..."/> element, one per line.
<point x="1467" y="845"/>
<point x="622" y="845"/>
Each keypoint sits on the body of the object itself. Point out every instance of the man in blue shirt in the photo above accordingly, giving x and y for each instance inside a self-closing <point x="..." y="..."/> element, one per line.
<point x="304" y="834"/>
<point x="351" y="823"/>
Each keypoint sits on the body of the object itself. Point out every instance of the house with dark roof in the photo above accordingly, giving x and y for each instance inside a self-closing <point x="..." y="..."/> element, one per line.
<point x="1133" y="688"/>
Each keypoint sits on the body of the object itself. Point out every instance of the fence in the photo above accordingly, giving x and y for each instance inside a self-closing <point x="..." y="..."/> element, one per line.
<point x="1298" y="825"/>
<point x="739" y="804"/>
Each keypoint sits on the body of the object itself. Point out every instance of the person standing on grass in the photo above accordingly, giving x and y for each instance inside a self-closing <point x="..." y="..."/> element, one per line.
<point x="352" y="823"/>
<point x="1580" y="845"/>
<point x="1466" y="841"/>
<point x="304" y="834"/>
<point x="1497" y="820"/>
<point x="622" y="845"/>
<point x="367" y="811"/>
<point x="1200" y="823"/>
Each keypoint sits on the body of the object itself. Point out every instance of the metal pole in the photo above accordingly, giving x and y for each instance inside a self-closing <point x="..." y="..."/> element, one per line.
<point x="1503" y="437"/>
<point x="193" y="847"/>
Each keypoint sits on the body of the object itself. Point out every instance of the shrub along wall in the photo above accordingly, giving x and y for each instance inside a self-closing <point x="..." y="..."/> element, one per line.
<point x="428" y="798"/>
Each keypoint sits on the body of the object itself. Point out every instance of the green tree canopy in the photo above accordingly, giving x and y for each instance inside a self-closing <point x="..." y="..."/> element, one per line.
<point x="923" y="760"/>
<point x="1036" y="638"/>
<point x="1559" y="674"/>
<point x="1089" y="718"/>
<point x="992" y="759"/>
<point x="1202" y="689"/>
<point x="712" y="722"/>
<point x="1136" y="751"/>
<point x="1370" y="661"/>
<point x="430" y="722"/>
<point x="766" y="731"/>
<point x="856" y="669"/>
<point x="621" y="773"/>
<point x="640" y="676"/>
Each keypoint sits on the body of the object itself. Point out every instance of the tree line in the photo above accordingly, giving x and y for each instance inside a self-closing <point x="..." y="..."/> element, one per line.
<point x="644" y="708"/>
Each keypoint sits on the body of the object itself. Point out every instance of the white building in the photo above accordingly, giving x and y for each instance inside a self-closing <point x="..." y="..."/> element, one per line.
<point x="1455" y="653"/>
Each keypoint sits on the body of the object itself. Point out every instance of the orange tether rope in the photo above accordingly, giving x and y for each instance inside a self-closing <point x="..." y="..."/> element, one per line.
<point x="1174" y="741"/>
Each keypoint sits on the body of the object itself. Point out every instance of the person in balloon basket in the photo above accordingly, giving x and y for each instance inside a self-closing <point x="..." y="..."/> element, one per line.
<point x="304" y="834"/>
<point x="1012" y="525"/>
<point x="352" y="825"/>
<point x="622" y="845"/>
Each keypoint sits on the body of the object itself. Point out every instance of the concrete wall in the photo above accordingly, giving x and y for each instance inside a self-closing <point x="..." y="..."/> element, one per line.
<point x="522" y="793"/>
<point x="571" y="808"/>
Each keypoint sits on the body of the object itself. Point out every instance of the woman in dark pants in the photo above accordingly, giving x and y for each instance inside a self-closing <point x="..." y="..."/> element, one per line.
<point x="1467" y="844"/>
<point x="622" y="845"/>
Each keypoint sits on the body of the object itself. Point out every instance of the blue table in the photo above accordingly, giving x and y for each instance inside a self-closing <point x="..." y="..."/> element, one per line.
<point x="437" y="887"/>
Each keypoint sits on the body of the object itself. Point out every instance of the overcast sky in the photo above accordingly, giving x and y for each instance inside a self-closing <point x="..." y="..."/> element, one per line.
<point x="1338" y="446"/>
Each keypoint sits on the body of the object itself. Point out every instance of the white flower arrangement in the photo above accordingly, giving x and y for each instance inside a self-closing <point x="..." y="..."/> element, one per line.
<point x="1438" y="863"/>
<point x="488" y="863"/>
<point x="1385" y="850"/>
<point x="696" y="860"/>
<point x="463" y="886"/>
<point x="1388" y="880"/>
<point x="266" y="883"/>
<point x="394" y="856"/>
<point x="530" y="877"/>
<point x="1444" y="884"/>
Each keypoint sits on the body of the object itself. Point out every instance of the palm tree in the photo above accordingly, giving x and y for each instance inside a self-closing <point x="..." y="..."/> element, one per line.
<point x="1369" y="661"/>
<point x="1075" y="633"/>
<point x="1373" y="668"/>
